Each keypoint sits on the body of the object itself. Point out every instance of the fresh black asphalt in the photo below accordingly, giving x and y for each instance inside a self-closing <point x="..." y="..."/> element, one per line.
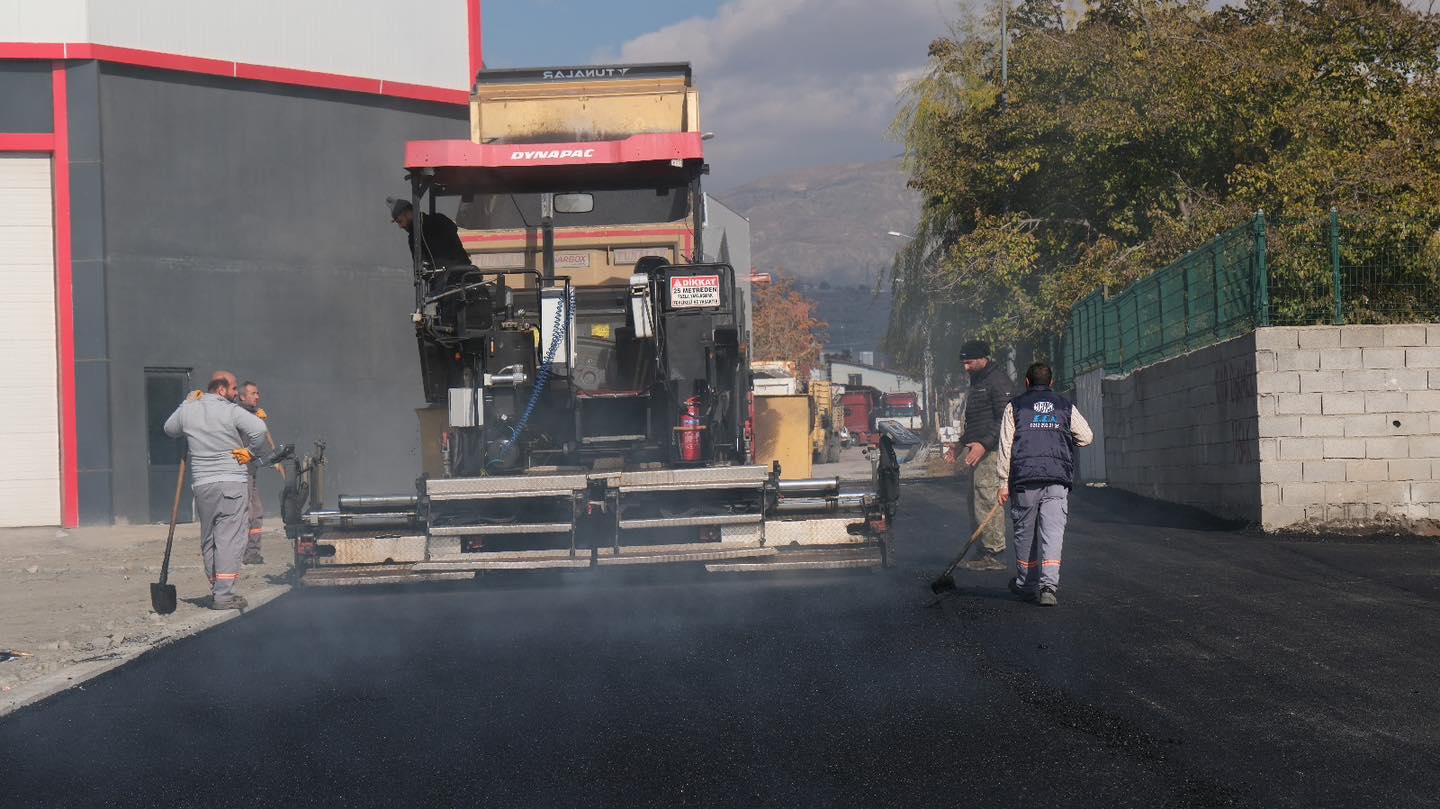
<point x="1187" y="665"/>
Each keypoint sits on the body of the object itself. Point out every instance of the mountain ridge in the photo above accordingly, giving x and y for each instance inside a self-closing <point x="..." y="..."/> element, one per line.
<point x="826" y="228"/>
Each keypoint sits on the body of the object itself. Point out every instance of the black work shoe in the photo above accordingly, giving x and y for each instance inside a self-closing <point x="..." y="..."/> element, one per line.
<point x="230" y="602"/>
<point x="987" y="561"/>
<point x="254" y="559"/>
<point x="1021" y="592"/>
<point x="1046" y="597"/>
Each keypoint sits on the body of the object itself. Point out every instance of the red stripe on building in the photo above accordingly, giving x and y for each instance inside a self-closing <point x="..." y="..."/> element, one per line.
<point x="307" y="78"/>
<point x="144" y="58"/>
<point x="32" y="50"/>
<point x="64" y="304"/>
<point x="420" y="92"/>
<point x="27" y="142"/>
<point x="474" y="24"/>
<point x="221" y="67"/>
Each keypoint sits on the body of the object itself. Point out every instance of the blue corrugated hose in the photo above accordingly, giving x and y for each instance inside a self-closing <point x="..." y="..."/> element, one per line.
<point x="544" y="374"/>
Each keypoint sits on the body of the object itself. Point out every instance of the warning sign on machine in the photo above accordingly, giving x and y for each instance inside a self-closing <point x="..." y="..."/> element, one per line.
<point x="693" y="291"/>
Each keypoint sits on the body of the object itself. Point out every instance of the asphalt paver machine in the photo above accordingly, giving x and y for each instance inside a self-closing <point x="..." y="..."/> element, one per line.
<point x="586" y="375"/>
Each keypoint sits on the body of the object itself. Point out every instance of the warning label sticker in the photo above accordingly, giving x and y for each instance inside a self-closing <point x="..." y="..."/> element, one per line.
<point x="693" y="291"/>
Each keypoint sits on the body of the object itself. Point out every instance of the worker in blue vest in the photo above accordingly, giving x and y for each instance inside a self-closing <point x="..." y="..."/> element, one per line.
<point x="1036" y="466"/>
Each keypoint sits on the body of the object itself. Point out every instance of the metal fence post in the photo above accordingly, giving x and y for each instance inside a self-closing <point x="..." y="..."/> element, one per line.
<point x="1335" y="267"/>
<point x="1262" y="273"/>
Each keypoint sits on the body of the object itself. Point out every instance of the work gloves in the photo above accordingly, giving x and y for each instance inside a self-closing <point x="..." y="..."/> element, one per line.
<point x="260" y="414"/>
<point x="242" y="456"/>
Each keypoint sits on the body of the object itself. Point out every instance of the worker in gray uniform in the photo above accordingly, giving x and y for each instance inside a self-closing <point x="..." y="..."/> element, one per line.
<point x="1036" y="466"/>
<point x="250" y="400"/>
<point x="223" y="439"/>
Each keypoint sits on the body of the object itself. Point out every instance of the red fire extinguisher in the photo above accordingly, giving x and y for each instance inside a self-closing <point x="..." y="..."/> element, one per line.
<point x="690" y="430"/>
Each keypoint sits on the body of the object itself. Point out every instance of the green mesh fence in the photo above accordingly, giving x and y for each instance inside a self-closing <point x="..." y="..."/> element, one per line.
<point x="1209" y="295"/>
<point x="1284" y="273"/>
<point x="1085" y="336"/>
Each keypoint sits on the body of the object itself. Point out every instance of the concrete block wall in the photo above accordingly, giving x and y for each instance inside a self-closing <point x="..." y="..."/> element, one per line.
<point x="1187" y="430"/>
<point x="1349" y="424"/>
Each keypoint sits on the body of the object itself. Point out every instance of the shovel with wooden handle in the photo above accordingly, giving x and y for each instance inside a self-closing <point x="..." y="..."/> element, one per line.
<point x="162" y="593"/>
<point x="945" y="582"/>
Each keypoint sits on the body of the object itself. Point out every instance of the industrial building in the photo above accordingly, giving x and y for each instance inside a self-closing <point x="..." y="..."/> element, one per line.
<point x="194" y="185"/>
<point x="855" y="374"/>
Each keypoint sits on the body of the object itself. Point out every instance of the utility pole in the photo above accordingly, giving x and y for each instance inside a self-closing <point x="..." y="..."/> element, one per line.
<point x="1004" y="53"/>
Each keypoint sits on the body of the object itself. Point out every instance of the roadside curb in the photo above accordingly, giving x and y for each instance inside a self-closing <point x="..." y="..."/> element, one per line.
<point x="80" y="673"/>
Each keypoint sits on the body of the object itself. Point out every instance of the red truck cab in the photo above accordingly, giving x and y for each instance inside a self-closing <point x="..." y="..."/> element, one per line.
<point x="859" y="406"/>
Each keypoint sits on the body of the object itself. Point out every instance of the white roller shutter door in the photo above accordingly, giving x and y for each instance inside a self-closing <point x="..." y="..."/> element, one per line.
<point x="29" y="390"/>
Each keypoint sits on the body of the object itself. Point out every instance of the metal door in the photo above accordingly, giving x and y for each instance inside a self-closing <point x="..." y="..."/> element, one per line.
<point x="164" y="389"/>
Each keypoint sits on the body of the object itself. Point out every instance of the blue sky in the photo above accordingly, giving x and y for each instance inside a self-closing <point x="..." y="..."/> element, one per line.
<point x="784" y="84"/>
<point x="525" y="33"/>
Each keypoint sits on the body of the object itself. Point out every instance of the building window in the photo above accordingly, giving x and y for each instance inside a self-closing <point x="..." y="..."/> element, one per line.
<point x="854" y="381"/>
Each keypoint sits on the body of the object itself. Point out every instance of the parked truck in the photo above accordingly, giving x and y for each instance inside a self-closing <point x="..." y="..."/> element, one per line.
<point x="858" y="407"/>
<point x="902" y="409"/>
<point x="586" y="377"/>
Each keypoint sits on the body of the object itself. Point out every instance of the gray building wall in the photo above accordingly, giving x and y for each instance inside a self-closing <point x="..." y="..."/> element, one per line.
<point x="726" y="239"/>
<point x="244" y="227"/>
<point x="25" y="97"/>
<point x="96" y="473"/>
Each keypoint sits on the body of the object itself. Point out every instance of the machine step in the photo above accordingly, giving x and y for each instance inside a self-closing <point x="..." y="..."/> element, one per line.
<point x="681" y="522"/>
<point x="640" y="556"/>
<point x="499" y="529"/>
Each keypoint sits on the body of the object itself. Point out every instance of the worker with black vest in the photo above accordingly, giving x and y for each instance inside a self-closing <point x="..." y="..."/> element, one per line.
<point x="1036" y="465"/>
<point x="440" y="244"/>
<point x="990" y="391"/>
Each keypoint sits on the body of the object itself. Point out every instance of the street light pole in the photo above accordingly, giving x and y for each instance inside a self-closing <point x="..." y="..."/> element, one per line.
<point x="927" y="384"/>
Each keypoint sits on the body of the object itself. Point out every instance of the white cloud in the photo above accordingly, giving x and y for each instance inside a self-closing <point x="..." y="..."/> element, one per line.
<point x="795" y="83"/>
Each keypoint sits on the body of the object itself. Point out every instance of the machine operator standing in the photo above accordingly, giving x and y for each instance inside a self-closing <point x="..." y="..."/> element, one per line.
<point x="223" y="439"/>
<point x="990" y="391"/>
<point x="440" y="244"/>
<point x="1036" y="467"/>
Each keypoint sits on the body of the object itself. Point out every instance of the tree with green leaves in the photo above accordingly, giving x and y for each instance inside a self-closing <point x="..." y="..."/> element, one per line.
<point x="1135" y="131"/>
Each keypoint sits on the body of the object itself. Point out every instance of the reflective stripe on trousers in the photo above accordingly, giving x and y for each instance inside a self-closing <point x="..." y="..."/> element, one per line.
<point x="1039" y="515"/>
<point x="222" y="510"/>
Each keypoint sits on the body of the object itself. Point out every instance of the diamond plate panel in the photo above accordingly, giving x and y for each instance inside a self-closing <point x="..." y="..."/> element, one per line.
<point x="738" y="475"/>
<point x="373" y="550"/>
<point x="831" y="531"/>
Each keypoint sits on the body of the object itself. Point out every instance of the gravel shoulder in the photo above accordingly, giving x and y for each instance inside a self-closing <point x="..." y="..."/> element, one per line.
<point x="77" y="601"/>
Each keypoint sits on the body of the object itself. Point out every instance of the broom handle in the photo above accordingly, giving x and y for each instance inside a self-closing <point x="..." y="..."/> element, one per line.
<point x="995" y="509"/>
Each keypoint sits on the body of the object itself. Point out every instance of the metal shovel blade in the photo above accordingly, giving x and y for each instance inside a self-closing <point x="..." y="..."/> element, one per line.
<point x="162" y="598"/>
<point x="944" y="584"/>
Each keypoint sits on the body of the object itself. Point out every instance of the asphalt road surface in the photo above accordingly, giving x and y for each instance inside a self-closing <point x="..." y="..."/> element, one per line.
<point x="1186" y="665"/>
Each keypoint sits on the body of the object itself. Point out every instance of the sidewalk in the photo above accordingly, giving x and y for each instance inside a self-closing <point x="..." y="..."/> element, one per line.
<point x="78" y="600"/>
<point x="854" y="465"/>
